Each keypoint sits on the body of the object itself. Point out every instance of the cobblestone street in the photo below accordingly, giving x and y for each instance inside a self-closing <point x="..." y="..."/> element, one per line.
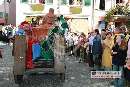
<point x="77" y="75"/>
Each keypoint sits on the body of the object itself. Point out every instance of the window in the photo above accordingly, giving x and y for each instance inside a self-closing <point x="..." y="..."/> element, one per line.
<point x="1" y="2"/>
<point x="6" y="15"/>
<point x="75" y="2"/>
<point x="87" y="2"/>
<point x="119" y="1"/>
<point x="63" y="2"/>
<point x="1" y="15"/>
<point x="23" y="1"/>
<point x="102" y="5"/>
<point x="49" y="1"/>
<point x="33" y="1"/>
<point x="42" y="1"/>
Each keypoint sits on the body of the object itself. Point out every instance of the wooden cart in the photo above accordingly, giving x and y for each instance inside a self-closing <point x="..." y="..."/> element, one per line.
<point x="50" y="66"/>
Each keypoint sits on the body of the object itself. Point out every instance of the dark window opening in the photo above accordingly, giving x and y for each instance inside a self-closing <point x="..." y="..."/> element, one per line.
<point x="102" y="5"/>
<point x="42" y="1"/>
<point x="119" y="1"/>
<point x="24" y="0"/>
<point x="75" y="2"/>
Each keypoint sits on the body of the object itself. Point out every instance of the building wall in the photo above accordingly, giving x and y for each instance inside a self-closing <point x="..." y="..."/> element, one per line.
<point x="75" y="25"/>
<point x="23" y="9"/>
<point x="2" y="9"/>
<point x="99" y="14"/>
<point x="12" y="12"/>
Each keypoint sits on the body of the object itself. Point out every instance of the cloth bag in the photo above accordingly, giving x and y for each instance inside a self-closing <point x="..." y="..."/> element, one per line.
<point x="36" y="48"/>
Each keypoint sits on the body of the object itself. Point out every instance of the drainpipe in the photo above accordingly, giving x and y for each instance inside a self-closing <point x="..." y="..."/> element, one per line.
<point x="5" y="11"/>
<point x="92" y="21"/>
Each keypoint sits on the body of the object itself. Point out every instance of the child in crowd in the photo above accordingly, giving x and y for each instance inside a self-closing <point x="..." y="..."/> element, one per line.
<point x="82" y="49"/>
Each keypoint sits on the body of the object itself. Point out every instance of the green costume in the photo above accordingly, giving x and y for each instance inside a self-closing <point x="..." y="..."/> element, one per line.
<point x="47" y="45"/>
<point x="46" y="52"/>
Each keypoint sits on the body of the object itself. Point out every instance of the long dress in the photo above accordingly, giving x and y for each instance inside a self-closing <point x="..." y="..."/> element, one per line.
<point x="106" y="57"/>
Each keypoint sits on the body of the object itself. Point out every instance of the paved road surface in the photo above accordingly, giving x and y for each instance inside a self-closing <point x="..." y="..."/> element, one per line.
<point x="77" y="75"/>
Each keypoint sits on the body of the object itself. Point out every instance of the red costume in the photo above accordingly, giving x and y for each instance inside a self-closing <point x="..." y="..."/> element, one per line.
<point x="29" y="62"/>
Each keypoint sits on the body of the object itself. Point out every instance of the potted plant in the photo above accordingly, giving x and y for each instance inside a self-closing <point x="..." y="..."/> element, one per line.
<point x="121" y="10"/>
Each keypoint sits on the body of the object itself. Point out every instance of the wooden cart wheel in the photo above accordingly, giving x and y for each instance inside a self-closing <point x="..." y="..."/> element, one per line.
<point x="18" y="79"/>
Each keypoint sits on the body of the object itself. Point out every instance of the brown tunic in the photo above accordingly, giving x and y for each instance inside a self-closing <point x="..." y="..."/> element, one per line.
<point x="42" y="30"/>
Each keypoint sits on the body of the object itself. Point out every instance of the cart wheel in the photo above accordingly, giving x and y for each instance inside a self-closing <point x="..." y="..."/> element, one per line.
<point x="18" y="79"/>
<point x="62" y="76"/>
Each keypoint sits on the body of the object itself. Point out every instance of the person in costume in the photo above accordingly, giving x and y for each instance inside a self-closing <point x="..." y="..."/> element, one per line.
<point x="49" y="19"/>
<point x="47" y="23"/>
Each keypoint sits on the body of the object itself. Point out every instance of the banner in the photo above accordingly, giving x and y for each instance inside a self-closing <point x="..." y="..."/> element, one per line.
<point x="75" y="10"/>
<point x="37" y="7"/>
